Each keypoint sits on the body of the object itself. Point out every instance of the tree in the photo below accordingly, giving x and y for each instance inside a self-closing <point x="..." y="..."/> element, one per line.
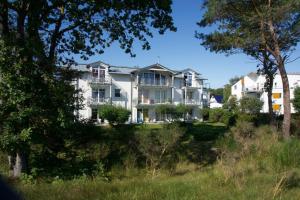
<point x="296" y="101"/>
<point x="181" y="111"/>
<point x="251" y="105"/>
<point x="231" y="104"/>
<point x="227" y="88"/>
<point x="113" y="114"/>
<point x="217" y="91"/>
<point x="41" y="35"/>
<point x="269" y="25"/>
<point x="164" y="111"/>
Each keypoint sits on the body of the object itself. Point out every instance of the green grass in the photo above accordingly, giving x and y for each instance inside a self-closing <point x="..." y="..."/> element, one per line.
<point x="207" y="184"/>
<point x="261" y="167"/>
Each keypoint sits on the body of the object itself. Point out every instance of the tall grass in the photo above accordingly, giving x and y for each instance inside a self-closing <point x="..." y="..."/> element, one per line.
<point x="252" y="163"/>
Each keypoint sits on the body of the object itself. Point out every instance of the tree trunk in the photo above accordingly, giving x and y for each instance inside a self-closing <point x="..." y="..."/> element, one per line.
<point x="19" y="164"/>
<point x="285" y="82"/>
<point x="286" y="101"/>
<point x="271" y="114"/>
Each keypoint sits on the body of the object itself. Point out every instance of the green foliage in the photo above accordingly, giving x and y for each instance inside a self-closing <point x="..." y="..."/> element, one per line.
<point x="182" y="110"/>
<point x="217" y="91"/>
<point x="205" y="113"/>
<point x="165" y="111"/>
<point x="158" y="145"/>
<point x="216" y="114"/>
<point x="228" y="118"/>
<point x="113" y="114"/>
<point x="286" y="155"/>
<point x="231" y="104"/>
<point x="296" y="101"/>
<point x="251" y="105"/>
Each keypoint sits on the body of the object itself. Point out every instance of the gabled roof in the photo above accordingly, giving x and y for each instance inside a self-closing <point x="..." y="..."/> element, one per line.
<point x="157" y="65"/>
<point x="187" y="70"/>
<point x="96" y="64"/>
<point x="253" y="76"/>
<point x="121" y="69"/>
<point x="79" y="67"/>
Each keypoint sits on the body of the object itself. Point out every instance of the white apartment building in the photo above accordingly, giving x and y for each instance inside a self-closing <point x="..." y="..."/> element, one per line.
<point x="139" y="90"/>
<point x="253" y="84"/>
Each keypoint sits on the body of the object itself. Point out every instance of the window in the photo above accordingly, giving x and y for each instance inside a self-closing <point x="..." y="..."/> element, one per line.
<point x="276" y="95"/>
<point x="235" y="87"/>
<point x="95" y="72"/>
<point x="157" y="96"/>
<point x="102" y="73"/>
<point x="117" y="92"/>
<point x="276" y="107"/>
<point x="95" y="94"/>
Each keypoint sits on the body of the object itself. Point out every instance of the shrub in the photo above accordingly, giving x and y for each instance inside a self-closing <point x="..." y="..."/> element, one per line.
<point x="243" y="129"/>
<point x="113" y="114"/>
<point x="216" y="114"/>
<point x="205" y="113"/>
<point x="228" y="118"/>
<point x="158" y="146"/>
<point x="251" y="105"/>
<point x="231" y="104"/>
<point x="181" y="111"/>
<point x="296" y="101"/>
<point x="165" y="110"/>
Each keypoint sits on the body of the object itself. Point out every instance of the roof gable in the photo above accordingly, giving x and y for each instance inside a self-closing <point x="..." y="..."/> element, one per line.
<point x="157" y="67"/>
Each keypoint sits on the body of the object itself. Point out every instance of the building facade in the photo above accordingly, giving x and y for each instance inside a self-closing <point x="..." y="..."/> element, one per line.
<point x="253" y="85"/>
<point x="140" y="90"/>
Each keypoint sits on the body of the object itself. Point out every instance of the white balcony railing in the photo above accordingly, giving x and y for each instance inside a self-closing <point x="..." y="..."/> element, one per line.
<point x="101" y="80"/>
<point x="154" y="101"/>
<point x="154" y="82"/>
<point x="192" y="102"/>
<point x="252" y="89"/>
<point x="99" y="101"/>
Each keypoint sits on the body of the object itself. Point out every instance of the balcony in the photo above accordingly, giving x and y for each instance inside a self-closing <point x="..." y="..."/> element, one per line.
<point x="252" y="90"/>
<point x="100" y="81"/>
<point x="154" y="82"/>
<point x="154" y="101"/>
<point x="98" y="101"/>
<point x="192" y="102"/>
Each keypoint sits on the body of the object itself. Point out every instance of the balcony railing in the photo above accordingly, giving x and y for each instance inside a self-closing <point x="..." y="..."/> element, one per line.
<point x="98" y="101"/>
<point x="154" y="101"/>
<point x="192" y="102"/>
<point x="154" y="82"/>
<point x="101" y="80"/>
<point x="252" y="89"/>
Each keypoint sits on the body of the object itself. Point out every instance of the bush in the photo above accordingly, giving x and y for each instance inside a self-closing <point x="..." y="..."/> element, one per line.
<point x="158" y="146"/>
<point x="243" y="129"/>
<point x="181" y="111"/>
<point x="216" y="114"/>
<point x="228" y="118"/>
<point x="205" y="113"/>
<point x="296" y="101"/>
<point x="165" y="110"/>
<point x="113" y="114"/>
<point x="251" y="105"/>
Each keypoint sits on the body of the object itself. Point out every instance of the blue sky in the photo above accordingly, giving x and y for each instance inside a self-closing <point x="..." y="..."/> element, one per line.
<point x="179" y="50"/>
